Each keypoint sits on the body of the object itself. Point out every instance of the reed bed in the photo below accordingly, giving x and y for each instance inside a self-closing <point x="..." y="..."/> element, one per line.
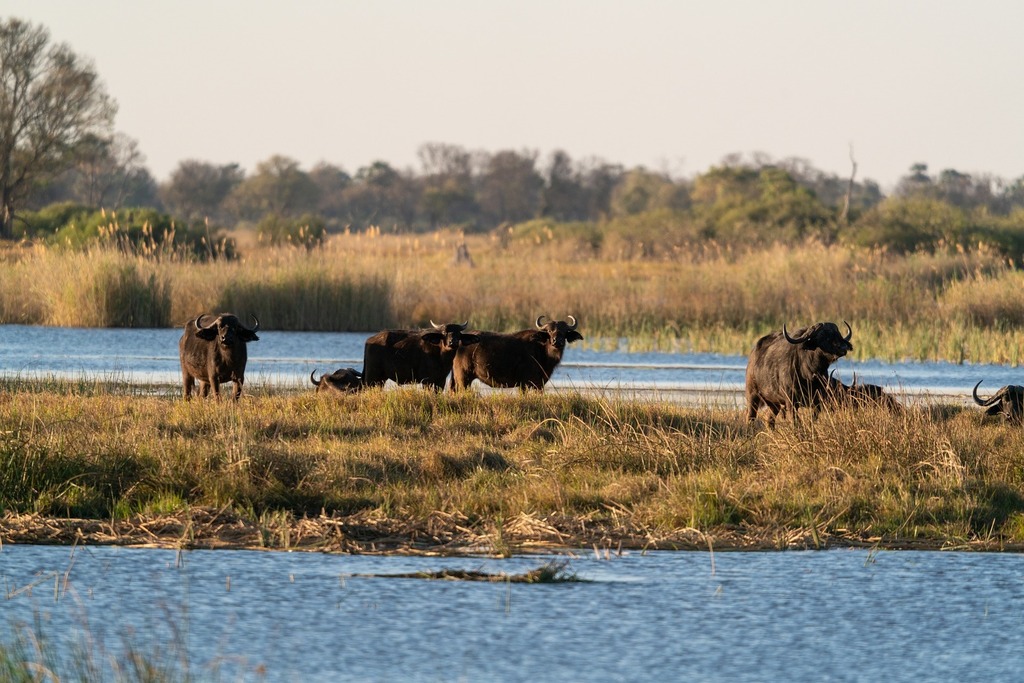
<point x="410" y="470"/>
<point x="953" y="305"/>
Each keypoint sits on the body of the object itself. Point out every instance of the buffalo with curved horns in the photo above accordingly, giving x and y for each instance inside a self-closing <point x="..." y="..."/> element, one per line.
<point x="341" y="381"/>
<point x="523" y="359"/>
<point x="785" y="372"/>
<point x="215" y="353"/>
<point x="414" y="356"/>
<point x="1008" y="402"/>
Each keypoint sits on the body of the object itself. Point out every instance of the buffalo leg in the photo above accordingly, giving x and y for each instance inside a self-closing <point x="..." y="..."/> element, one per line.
<point x="188" y="383"/>
<point x="753" y="405"/>
<point x="238" y="388"/>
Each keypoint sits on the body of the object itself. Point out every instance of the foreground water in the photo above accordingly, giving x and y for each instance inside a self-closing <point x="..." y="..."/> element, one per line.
<point x="842" y="615"/>
<point x="150" y="356"/>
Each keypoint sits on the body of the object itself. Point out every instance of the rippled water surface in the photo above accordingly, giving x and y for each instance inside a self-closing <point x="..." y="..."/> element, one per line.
<point x="287" y="358"/>
<point x="841" y="615"/>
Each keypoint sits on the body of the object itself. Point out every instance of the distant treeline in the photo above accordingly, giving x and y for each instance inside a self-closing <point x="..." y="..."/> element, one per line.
<point x="743" y="201"/>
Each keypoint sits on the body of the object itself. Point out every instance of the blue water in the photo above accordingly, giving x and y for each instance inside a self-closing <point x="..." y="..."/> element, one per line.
<point x="287" y="358"/>
<point x="838" y="615"/>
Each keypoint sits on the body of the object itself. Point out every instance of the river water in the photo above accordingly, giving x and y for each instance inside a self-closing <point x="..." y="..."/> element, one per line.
<point x="837" y="615"/>
<point x="150" y="356"/>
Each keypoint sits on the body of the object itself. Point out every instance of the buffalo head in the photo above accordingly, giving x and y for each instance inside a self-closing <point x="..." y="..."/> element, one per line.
<point x="557" y="333"/>
<point x="341" y="380"/>
<point x="226" y="329"/>
<point x="448" y="336"/>
<point x="1008" y="402"/>
<point x="824" y="337"/>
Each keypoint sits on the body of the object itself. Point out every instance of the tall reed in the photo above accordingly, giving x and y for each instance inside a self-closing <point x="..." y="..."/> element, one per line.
<point x="951" y="305"/>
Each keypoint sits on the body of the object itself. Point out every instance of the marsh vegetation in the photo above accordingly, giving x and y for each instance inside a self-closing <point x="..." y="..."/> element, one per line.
<point x="411" y="470"/>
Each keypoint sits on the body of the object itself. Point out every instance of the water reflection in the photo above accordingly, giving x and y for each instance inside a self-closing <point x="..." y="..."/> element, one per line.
<point x="831" y="615"/>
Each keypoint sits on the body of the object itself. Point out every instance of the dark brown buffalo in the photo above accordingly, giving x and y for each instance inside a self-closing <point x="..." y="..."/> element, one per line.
<point x="1008" y="402"/>
<point x="786" y="371"/>
<point x="214" y="354"/>
<point x="859" y="395"/>
<point x="414" y="356"/>
<point x="342" y="381"/>
<point x="522" y="359"/>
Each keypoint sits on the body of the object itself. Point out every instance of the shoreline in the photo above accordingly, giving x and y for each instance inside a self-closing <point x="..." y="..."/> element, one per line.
<point x="441" y="535"/>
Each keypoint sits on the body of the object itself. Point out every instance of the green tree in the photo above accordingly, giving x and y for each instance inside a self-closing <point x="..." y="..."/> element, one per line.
<point x="197" y="190"/>
<point x="447" y="184"/>
<point x="277" y="187"/>
<point x="50" y="102"/>
<point x="739" y="203"/>
<point x="641" y="190"/>
<point x="331" y="182"/>
<point x="510" y="187"/>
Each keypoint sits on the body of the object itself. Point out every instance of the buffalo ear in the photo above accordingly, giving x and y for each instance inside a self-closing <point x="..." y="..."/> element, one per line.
<point x="434" y="338"/>
<point x="248" y="335"/>
<point x="207" y="333"/>
<point x="573" y="336"/>
<point x="469" y="338"/>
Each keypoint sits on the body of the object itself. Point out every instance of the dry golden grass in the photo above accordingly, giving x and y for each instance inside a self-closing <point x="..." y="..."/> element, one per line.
<point x="409" y="469"/>
<point x="950" y="306"/>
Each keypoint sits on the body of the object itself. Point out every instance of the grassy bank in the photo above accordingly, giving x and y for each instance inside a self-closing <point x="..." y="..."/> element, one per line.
<point x="407" y="469"/>
<point x="952" y="305"/>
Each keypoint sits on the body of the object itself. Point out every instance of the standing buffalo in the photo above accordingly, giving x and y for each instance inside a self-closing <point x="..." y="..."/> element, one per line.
<point x="859" y="395"/>
<point x="214" y="354"/>
<point x="785" y="372"/>
<point x="411" y="356"/>
<point x="341" y="381"/>
<point x="522" y="359"/>
<point x="1008" y="402"/>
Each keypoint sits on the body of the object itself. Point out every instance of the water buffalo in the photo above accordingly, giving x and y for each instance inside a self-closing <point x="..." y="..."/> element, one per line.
<point x="522" y="359"/>
<point x="786" y="371"/>
<point x="1008" y="402"/>
<point x="414" y="356"/>
<point x="214" y="354"/>
<point x="859" y="395"/>
<point x="341" y="381"/>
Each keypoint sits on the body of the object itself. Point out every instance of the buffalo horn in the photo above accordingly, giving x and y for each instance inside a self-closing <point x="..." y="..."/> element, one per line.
<point x="539" y="318"/>
<point x="988" y="401"/>
<point x="256" y="320"/>
<point x="313" y="380"/>
<point x="198" y="321"/>
<point x="574" y="323"/>
<point x="441" y="327"/>
<point x="794" y="340"/>
<point x="849" y="331"/>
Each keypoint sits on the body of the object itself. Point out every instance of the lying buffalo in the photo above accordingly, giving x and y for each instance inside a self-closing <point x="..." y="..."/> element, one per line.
<point x="522" y="359"/>
<point x="414" y="356"/>
<point x="1008" y="402"/>
<point x="860" y="395"/>
<point x="214" y="354"/>
<point x="342" y="380"/>
<point x="786" y="371"/>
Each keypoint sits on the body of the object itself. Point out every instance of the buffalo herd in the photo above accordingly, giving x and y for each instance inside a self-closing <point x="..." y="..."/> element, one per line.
<point x="216" y="353"/>
<point x="785" y="371"/>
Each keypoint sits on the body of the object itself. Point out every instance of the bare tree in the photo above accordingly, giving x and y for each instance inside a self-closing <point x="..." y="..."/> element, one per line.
<point x="107" y="169"/>
<point x="50" y="100"/>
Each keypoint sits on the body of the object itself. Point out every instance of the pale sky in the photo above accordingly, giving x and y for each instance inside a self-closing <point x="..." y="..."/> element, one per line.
<point x="669" y="85"/>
